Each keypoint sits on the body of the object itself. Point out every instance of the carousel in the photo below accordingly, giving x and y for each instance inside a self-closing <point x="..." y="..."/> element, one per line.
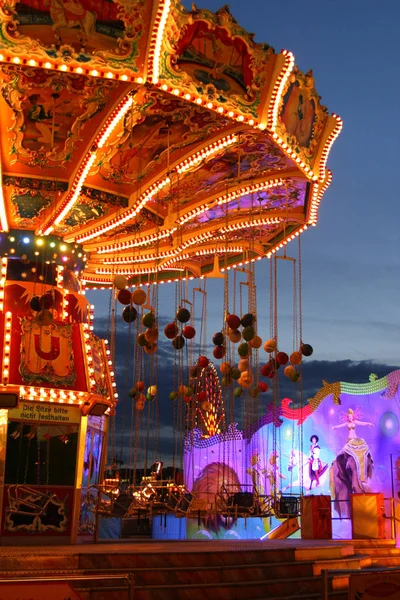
<point x="145" y="144"/>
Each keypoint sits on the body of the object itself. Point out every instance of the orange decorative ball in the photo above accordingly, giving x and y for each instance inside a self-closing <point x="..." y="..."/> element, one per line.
<point x="296" y="358"/>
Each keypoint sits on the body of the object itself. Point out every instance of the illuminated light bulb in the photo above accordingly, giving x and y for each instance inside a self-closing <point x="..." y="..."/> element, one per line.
<point x="63" y="68"/>
<point x="124" y="77"/>
<point x="139" y="80"/>
<point x="240" y="118"/>
<point x="164" y="87"/>
<point x="94" y="73"/>
<point x="176" y="92"/>
<point x="110" y="75"/>
<point x="16" y="60"/>
<point x="1" y="57"/>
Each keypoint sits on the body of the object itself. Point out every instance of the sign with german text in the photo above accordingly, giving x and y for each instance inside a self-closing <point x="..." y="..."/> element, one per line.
<point x="43" y="411"/>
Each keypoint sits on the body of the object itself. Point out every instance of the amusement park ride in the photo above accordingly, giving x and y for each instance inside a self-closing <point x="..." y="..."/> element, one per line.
<point x="144" y="144"/>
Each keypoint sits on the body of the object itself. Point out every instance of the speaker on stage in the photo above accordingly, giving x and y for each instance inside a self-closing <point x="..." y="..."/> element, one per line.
<point x="367" y="516"/>
<point x="316" y="518"/>
<point x="241" y="500"/>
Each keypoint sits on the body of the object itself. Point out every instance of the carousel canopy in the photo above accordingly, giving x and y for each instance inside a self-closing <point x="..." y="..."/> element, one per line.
<point x="141" y="139"/>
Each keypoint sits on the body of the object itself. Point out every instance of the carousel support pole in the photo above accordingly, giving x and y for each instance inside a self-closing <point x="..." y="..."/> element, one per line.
<point x="78" y="478"/>
<point x="3" y="448"/>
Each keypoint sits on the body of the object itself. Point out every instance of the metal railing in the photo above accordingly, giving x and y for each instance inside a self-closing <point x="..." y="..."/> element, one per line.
<point x="119" y="583"/>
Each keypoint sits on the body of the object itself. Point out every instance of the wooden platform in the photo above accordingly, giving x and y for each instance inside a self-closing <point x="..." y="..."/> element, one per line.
<point x="198" y="570"/>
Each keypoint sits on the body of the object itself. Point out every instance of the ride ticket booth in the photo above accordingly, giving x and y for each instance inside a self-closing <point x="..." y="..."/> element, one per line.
<point x="56" y="396"/>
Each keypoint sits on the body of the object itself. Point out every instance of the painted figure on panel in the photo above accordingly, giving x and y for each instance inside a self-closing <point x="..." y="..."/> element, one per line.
<point x="299" y="109"/>
<point x="71" y="13"/>
<point x="353" y="466"/>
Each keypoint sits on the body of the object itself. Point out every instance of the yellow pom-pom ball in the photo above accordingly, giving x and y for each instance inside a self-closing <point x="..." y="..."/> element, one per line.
<point x="234" y="335"/>
<point x="152" y="390"/>
<point x="256" y="342"/>
<point x="139" y="297"/>
<point x="270" y="346"/>
<point x="243" y="365"/>
<point x="120" y="282"/>
<point x="289" y="371"/>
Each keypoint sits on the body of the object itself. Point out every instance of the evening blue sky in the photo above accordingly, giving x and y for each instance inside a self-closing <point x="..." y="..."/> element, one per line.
<point x="351" y="279"/>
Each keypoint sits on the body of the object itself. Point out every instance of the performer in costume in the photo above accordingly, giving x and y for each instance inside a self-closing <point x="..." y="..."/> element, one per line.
<point x="316" y="468"/>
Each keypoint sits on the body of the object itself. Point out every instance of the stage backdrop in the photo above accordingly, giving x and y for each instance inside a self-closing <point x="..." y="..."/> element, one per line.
<point x="346" y="438"/>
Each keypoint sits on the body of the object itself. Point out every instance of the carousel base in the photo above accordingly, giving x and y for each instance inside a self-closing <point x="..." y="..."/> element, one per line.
<point x="196" y="570"/>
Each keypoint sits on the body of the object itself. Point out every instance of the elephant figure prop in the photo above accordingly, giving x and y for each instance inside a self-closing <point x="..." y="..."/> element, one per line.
<point x="349" y="474"/>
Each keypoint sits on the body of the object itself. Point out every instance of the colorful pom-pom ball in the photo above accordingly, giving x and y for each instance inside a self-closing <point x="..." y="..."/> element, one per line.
<point x="270" y="346"/>
<point x="47" y="300"/>
<point x="120" y="282"/>
<point x="247" y="320"/>
<point x="245" y="383"/>
<point x="141" y="340"/>
<point x="139" y="297"/>
<point x="139" y="405"/>
<point x="132" y="392"/>
<point x="194" y="371"/>
<point x="152" y="390"/>
<point x="148" y="319"/>
<point x="237" y="392"/>
<point x="139" y="386"/>
<point x="243" y="350"/>
<point x="295" y="377"/>
<point x="256" y="342"/>
<point x="149" y="396"/>
<point x="263" y="387"/>
<point x="188" y="391"/>
<point x="171" y="331"/>
<point x="225" y="368"/>
<point x="151" y="334"/>
<point x="129" y="314"/>
<point x="178" y="342"/>
<point x="289" y="371"/>
<point x="150" y="348"/>
<point x="173" y="395"/>
<point x="35" y="303"/>
<point x="124" y="296"/>
<point x="296" y="358"/>
<point x="188" y="332"/>
<point x="235" y="373"/>
<point x="206" y="406"/>
<point x="243" y="365"/>
<point x="203" y="362"/>
<point x="248" y="333"/>
<point x="183" y="315"/>
<point x="254" y="392"/>
<point x="234" y="335"/>
<point x="201" y="396"/>
<point x="282" y="358"/>
<point x="306" y="349"/>
<point x="218" y="339"/>
<point x="246" y="376"/>
<point x="268" y="370"/>
<point x="233" y="321"/>
<point x="219" y="352"/>
<point x="181" y="389"/>
<point x="187" y="399"/>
